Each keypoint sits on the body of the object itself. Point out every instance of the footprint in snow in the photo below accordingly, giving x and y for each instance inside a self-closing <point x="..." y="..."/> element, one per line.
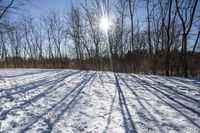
<point x="80" y="126"/>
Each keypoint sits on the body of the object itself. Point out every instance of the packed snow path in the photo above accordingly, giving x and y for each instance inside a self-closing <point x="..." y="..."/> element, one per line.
<point x="36" y="100"/>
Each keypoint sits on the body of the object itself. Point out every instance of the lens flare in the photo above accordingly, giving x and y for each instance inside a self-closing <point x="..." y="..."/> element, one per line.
<point x="105" y="24"/>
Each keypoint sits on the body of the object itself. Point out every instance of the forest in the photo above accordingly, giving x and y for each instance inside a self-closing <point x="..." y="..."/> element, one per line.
<point x="99" y="66"/>
<point x="137" y="36"/>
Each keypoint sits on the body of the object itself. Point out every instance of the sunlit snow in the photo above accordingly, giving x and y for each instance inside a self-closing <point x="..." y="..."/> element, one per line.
<point x="52" y="100"/>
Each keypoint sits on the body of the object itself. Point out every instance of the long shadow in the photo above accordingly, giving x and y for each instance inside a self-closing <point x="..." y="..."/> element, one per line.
<point x="169" y="96"/>
<point x="40" y="80"/>
<point x="144" y="84"/>
<point x="32" y="86"/>
<point x="128" y="121"/>
<point x="50" y="89"/>
<point x="110" y="113"/>
<point x="101" y="79"/>
<point x="195" y="81"/>
<point x="156" y="122"/>
<point x="174" y="90"/>
<point x="111" y="106"/>
<point x="61" y="104"/>
<point x="73" y="101"/>
<point x="180" y="83"/>
<point x="29" y="73"/>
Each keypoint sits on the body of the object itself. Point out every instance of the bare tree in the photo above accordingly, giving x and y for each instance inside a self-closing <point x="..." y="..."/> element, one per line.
<point x="196" y="42"/>
<point x="4" y="9"/>
<point x="15" y="38"/>
<point x="131" y="11"/>
<point x="76" y="33"/>
<point x="186" y="12"/>
<point x="91" y="16"/>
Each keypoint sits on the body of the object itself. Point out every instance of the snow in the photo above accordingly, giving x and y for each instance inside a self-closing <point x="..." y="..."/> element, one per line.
<point x="68" y="101"/>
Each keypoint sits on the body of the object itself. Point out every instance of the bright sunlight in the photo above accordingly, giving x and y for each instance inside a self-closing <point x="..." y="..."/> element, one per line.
<point x="105" y="24"/>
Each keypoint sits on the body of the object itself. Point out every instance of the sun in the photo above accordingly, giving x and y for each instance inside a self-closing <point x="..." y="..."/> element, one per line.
<point x="105" y="24"/>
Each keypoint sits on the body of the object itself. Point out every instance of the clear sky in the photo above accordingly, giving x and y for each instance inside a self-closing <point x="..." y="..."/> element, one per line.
<point x="36" y="7"/>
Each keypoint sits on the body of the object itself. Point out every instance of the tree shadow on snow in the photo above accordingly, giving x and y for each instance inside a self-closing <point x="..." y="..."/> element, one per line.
<point x="145" y="113"/>
<point x="194" y="81"/>
<point x="170" y="99"/>
<point x="59" y="108"/>
<point x="29" y="73"/>
<point x="175" y="91"/>
<point x="25" y="87"/>
<point x="127" y="118"/>
<point x="52" y="85"/>
<point x="110" y="112"/>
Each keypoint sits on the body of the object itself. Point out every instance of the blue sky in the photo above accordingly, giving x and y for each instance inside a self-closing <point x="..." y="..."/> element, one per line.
<point x="38" y="6"/>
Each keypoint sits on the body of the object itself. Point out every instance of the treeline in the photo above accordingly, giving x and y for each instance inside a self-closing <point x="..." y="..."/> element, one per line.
<point x="166" y="42"/>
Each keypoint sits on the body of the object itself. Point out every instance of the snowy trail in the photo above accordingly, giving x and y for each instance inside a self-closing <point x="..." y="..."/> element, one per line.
<point x="45" y="100"/>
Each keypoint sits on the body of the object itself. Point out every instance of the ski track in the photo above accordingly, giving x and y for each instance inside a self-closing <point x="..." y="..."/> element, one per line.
<point x="72" y="101"/>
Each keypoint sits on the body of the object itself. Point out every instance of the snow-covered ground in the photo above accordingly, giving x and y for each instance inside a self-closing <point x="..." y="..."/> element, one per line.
<point x="42" y="100"/>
